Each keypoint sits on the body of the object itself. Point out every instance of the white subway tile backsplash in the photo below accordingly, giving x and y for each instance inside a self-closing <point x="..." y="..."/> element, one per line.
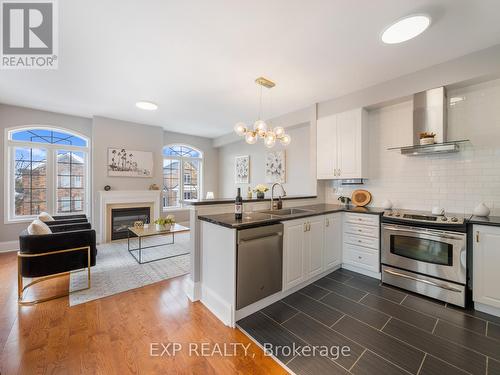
<point x="457" y="182"/>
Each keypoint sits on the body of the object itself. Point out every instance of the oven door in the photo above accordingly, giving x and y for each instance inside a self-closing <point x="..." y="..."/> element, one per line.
<point x="437" y="253"/>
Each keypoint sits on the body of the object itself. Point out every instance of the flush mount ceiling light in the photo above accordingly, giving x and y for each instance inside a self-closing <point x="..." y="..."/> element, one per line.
<point x="147" y="106"/>
<point x="406" y="28"/>
<point x="260" y="128"/>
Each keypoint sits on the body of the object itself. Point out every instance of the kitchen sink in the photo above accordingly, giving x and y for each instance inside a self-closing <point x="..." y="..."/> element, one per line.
<point x="286" y="211"/>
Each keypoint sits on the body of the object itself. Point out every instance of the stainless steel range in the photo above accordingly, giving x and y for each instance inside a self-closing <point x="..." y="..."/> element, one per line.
<point x="426" y="254"/>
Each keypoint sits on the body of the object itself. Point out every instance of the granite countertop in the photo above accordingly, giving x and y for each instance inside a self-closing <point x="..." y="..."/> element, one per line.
<point x="255" y="219"/>
<point x="202" y="202"/>
<point x="490" y="220"/>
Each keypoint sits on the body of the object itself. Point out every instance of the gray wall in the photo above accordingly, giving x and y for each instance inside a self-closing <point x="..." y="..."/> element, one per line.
<point x="298" y="165"/>
<point x="11" y="116"/>
<point x="116" y="133"/>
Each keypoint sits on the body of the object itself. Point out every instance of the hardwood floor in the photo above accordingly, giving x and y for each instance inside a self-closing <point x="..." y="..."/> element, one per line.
<point x="113" y="335"/>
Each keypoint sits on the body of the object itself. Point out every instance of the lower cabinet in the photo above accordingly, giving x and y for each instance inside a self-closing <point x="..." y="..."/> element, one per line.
<point x="361" y="243"/>
<point x="333" y="240"/>
<point x="311" y="246"/>
<point x="486" y="259"/>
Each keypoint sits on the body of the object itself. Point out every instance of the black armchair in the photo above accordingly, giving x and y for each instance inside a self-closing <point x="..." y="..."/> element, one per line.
<point x="68" y="248"/>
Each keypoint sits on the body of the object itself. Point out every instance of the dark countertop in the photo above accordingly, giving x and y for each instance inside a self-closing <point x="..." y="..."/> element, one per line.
<point x="490" y="220"/>
<point x="255" y="219"/>
<point x="202" y="202"/>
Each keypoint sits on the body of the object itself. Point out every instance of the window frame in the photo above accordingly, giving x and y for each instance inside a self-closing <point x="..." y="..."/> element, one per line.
<point x="10" y="146"/>
<point x="181" y="160"/>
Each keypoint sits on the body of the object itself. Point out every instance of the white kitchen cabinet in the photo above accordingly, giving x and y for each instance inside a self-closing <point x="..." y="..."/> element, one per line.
<point x="361" y="243"/>
<point x="333" y="240"/>
<point x="486" y="277"/>
<point x="302" y="250"/>
<point x="293" y="253"/>
<point x="314" y="239"/>
<point x="342" y="145"/>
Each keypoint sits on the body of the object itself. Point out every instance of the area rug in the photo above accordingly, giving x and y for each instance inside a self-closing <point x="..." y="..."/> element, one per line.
<point x="117" y="271"/>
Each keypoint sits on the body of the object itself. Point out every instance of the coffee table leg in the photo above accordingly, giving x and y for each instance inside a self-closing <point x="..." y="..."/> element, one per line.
<point x="140" y="249"/>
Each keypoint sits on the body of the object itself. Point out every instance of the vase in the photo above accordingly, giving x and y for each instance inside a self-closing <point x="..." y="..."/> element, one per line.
<point x="260" y="195"/>
<point x="481" y="210"/>
<point x="160" y="227"/>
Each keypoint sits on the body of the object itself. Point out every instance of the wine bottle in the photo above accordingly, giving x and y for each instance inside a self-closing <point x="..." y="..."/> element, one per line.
<point x="238" y="206"/>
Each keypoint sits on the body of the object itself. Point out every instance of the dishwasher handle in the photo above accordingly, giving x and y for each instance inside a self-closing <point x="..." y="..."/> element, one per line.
<point x="278" y="234"/>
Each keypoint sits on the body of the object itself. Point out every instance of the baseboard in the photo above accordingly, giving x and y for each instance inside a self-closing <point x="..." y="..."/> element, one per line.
<point x="375" y="275"/>
<point x="220" y="308"/>
<point x="487" y="309"/>
<point x="193" y="290"/>
<point x="8" y="246"/>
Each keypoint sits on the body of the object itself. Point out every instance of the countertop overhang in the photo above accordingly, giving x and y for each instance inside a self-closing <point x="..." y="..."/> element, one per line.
<point x="255" y="219"/>
<point x="205" y="202"/>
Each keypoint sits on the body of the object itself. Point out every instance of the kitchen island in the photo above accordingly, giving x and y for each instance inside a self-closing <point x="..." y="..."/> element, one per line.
<point x="309" y="241"/>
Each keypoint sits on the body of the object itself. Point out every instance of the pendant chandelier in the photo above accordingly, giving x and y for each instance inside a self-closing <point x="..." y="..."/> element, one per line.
<point x="260" y="128"/>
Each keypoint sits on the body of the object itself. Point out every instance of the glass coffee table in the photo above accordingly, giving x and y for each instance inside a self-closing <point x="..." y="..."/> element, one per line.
<point x="142" y="233"/>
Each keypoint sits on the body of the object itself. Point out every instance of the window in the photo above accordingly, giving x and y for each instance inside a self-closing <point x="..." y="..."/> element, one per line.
<point x="47" y="171"/>
<point x="185" y="161"/>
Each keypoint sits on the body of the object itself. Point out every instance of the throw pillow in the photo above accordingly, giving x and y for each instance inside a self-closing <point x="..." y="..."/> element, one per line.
<point x="44" y="216"/>
<point x="38" y="227"/>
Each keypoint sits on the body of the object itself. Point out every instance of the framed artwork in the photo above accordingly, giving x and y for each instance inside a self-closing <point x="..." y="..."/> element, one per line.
<point x="276" y="167"/>
<point x="242" y="169"/>
<point x="128" y="163"/>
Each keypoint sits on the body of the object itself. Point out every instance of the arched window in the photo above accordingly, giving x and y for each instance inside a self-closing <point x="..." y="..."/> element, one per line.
<point x="182" y="174"/>
<point x="47" y="171"/>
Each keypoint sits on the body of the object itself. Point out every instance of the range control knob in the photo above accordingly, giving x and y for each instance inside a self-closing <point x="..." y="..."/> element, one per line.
<point x="444" y="218"/>
<point x="389" y="214"/>
<point x="454" y="219"/>
<point x="397" y="214"/>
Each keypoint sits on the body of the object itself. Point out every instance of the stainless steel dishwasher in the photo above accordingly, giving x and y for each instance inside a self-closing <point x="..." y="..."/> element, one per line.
<point x="259" y="263"/>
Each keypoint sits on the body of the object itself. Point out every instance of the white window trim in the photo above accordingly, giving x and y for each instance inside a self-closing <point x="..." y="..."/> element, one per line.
<point x="9" y="160"/>
<point x="181" y="177"/>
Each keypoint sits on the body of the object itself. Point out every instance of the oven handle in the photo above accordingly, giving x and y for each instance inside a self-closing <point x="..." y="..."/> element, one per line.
<point x="442" y="286"/>
<point x="441" y="234"/>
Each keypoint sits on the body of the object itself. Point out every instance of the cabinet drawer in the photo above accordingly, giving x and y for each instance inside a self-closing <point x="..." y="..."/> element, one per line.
<point x="365" y="219"/>
<point x="371" y="242"/>
<point x="361" y="257"/>
<point x="363" y="230"/>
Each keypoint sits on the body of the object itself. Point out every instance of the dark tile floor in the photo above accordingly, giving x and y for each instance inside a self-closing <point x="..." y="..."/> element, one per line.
<point x="387" y="330"/>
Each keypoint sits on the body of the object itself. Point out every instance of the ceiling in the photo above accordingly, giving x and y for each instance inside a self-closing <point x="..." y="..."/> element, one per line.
<point x="198" y="59"/>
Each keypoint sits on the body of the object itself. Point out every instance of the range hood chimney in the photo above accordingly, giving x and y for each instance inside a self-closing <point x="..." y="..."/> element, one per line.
<point x="430" y="116"/>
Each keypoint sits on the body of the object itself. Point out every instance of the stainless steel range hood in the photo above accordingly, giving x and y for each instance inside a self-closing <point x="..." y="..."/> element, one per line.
<point x="430" y="115"/>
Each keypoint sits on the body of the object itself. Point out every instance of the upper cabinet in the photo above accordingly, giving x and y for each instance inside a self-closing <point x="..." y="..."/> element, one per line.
<point x="342" y="145"/>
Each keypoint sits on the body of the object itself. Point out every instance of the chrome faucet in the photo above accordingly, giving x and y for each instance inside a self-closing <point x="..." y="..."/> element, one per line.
<point x="279" y="204"/>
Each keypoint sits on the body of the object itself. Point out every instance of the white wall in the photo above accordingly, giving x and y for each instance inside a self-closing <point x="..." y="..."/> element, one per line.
<point x="298" y="166"/>
<point x="457" y="182"/>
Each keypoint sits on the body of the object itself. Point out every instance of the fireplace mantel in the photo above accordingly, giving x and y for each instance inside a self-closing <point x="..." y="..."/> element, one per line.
<point x="124" y="197"/>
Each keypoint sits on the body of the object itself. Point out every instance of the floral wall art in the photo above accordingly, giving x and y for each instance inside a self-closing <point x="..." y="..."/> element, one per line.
<point x="275" y="167"/>
<point x="242" y="169"/>
<point x="128" y="163"/>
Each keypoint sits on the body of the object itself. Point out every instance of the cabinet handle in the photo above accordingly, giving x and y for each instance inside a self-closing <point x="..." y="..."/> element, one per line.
<point x="477" y="236"/>
<point x="308" y="227"/>
<point x="327" y="222"/>
<point x="360" y="257"/>
<point x="305" y="227"/>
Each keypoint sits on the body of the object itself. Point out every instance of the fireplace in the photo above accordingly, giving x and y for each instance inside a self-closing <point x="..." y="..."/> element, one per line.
<point x="122" y="218"/>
